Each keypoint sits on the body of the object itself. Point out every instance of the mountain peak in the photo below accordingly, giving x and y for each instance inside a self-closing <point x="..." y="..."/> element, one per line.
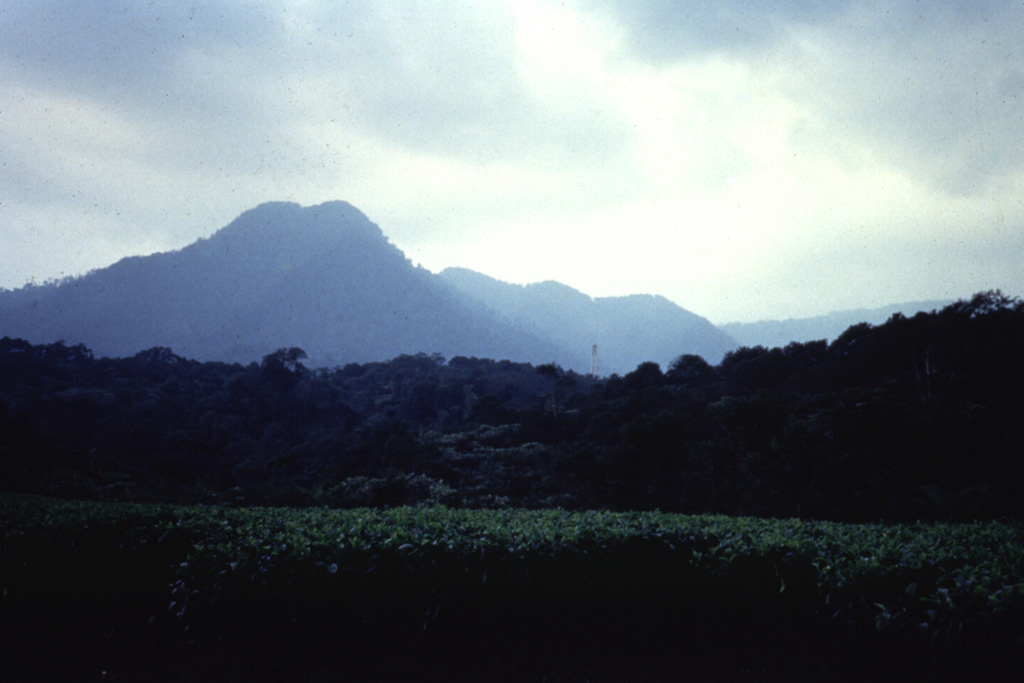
<point x="554" y="290"/>
<point x="289" y="222"/>
<point x="323" y="278"/>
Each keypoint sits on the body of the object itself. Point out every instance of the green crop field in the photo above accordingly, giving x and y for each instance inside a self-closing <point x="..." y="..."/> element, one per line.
<point x="176" y="585"/>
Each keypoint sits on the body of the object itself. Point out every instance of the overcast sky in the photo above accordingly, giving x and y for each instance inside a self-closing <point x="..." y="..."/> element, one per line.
<point x="746" y="160"/>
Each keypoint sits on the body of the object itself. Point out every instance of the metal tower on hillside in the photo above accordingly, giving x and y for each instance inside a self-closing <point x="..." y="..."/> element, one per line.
<point x="593" y="361"/>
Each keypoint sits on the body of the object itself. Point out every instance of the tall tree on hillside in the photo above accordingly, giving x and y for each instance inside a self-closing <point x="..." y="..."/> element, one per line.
<point x="282" y="368"/>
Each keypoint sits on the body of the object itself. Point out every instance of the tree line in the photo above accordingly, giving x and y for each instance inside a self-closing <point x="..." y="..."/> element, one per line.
<point x="914" y="419"/>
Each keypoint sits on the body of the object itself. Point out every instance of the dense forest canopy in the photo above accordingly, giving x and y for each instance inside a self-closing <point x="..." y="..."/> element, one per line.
<point x="917" y="418"/>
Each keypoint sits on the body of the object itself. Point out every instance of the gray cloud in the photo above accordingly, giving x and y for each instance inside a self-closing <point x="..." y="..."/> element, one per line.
<point x="936" y="88"/>
<point x="667" y="30"/>
<point x="448" y="83"/>
<point x="440" y="82"/>
<point x="121" y="49"/>
<point x="938" y="94"/>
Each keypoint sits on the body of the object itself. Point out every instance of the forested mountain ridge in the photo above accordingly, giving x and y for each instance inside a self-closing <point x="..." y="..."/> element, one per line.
<point x="915" y="419"/>
<point x="771" y="333"/>
<point x="628" y="330"/>
<point x="326" y="279"/>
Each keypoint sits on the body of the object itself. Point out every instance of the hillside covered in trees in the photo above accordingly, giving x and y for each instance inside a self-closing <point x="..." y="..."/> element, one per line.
<point x="326" y="279"/>
<point x="914" y="419"/>
<point x="629" y="330"/>
<point x="772" y="333"/>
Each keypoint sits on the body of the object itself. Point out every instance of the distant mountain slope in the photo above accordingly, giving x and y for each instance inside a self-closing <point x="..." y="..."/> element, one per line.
<point x="779" y="333"/>
<point x="323" y="278"/>
<point x="628" y="330"/>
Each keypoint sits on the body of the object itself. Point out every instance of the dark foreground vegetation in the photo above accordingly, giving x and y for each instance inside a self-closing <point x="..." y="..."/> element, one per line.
<point x="121" y="591"/>
<point x="915" y="419"/>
